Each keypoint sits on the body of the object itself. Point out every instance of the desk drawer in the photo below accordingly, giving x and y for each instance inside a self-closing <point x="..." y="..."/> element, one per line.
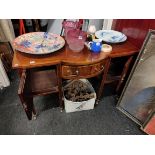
<point x="87" y="71"/>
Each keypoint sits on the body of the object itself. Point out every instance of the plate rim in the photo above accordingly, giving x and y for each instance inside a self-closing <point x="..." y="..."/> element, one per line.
<point x="15" y="44"/>
<point x="110" y="41"/>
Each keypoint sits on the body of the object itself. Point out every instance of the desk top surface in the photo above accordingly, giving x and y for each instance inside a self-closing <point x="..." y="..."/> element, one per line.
<point x="65" y="55"/>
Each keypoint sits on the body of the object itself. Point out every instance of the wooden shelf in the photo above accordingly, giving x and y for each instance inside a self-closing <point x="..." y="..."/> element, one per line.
<point x="111" y="79"/>
<point x="43" y="82"/>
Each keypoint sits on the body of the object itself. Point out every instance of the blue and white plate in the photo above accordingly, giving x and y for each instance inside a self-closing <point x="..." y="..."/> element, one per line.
<point x="111" y="36"/>
<point x="38" y="43"/>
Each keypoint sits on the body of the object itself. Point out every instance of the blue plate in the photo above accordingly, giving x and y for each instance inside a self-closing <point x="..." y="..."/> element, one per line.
<point x="111" y="36"/>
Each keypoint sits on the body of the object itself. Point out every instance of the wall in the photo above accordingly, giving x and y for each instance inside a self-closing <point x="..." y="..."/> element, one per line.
<point x="54" y="26"/>
<point x="135" y="29"/>
<point x="97" y="22"/>
<point x="107" y="24"/>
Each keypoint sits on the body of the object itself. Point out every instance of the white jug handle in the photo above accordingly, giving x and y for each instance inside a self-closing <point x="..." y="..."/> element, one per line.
<point x="89" y="44"/>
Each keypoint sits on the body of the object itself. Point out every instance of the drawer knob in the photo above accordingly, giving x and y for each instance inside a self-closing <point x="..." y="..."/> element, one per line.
<point x="68" y="71"/>
<point x="77" y="72"/>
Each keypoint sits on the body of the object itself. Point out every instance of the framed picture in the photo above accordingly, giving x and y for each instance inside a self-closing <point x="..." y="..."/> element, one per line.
<point x="138" y="97"/>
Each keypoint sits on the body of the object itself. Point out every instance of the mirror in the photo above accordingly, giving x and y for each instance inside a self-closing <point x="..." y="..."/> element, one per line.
<point x="138" y="97"/>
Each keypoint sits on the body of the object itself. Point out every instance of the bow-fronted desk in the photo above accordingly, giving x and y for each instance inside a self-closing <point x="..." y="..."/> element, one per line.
<point x="63" y="64"/>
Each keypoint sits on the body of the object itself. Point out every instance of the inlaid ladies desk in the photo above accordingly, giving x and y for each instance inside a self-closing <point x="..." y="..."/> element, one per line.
<point x="69" y="65"/>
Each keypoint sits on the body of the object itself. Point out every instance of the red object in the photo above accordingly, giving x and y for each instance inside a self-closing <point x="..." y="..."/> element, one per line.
<point x="81" y="21"/>
<point x="21" y="27"/>
<point x="70" y="25"/>
<point x="135" y="29"/>
<point x="149" y="128"/>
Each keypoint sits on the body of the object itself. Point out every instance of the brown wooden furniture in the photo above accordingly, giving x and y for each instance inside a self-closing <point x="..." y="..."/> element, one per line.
<point x="85" y="64"/>
<point x="126" y="49"/>
<point x="36" y="82"/>
<point x="78" y="71"/>
<point x="65" y="55"/>
<point x="70" y="65"/>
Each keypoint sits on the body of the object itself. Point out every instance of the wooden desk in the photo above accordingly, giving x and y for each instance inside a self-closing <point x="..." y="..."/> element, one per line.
<point x="73" y="65"/>
<point x="25" y="61"/>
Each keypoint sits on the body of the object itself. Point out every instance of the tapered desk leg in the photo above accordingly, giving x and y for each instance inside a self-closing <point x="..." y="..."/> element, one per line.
<point x="26" y="100"/>
<point x="34" y="114"/>
<point x="124" y="72"/>
<point x="20" y="72"/>
<point x="60" y="86"/>
<point x="104" y="76"/>
<point x="28" y="106"/>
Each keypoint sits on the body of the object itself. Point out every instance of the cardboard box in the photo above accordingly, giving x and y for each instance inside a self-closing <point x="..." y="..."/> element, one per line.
<point x="71" y="106"/>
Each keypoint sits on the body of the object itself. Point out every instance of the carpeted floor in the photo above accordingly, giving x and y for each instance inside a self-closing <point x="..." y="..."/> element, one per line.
<point x="105" y="119"/>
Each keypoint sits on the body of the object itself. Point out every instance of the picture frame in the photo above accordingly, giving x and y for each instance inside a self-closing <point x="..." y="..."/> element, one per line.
<point x="137" y="99"/>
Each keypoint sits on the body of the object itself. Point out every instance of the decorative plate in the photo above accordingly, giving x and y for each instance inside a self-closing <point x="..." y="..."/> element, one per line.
<point x="38" y="43"/>
<point x="111" y="36"/>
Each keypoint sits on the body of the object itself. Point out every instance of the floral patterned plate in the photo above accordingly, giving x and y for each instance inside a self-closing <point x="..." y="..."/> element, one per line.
<point x="111" y="36"/>
<point x="38" y="43"/>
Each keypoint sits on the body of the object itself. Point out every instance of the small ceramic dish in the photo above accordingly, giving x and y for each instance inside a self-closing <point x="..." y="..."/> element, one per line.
<point x="106" y="48"/>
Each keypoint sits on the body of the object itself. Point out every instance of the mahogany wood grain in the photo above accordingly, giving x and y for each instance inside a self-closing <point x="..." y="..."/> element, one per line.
<point x="111" y="78"/>
<point x="104" y="77"/>
<point x="27" y="101"/>
<point x="35" y="83"/>
<point x="43" y="82"/>
<point x="59" y="74"/>
<point x="88" y="64"/>
<point x="65" y="55"/>
<point x="82" y="71"/>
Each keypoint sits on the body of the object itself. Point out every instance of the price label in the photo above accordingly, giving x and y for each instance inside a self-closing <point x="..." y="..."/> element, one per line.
<point x="80" y="37"/>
